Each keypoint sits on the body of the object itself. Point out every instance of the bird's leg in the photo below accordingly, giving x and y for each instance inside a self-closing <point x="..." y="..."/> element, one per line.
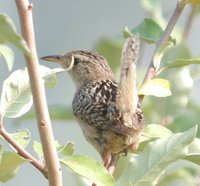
<point x="112" y="165"/>
<point x="106" y="157"/>
<point x="110" y="160"/>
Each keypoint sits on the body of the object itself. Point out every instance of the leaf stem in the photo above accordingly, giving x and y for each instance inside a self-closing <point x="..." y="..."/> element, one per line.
<point x="22" y="152"/>
<point x="151" y="72"/>
<point x="39" y="98"/>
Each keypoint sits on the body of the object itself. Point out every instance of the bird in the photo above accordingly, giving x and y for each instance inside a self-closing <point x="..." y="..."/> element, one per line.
<point x="107" y="110"/>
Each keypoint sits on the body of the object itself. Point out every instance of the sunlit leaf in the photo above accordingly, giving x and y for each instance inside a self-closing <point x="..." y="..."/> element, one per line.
<point x="37" y="147"/>
<point x="9" y="165"/>
<point x="89" y="168"/>
<point x="152" y="132"/>
<point x="16" y="96"/>
<point x="127" y="33"/>
<point x="156" y="131"/>
<point x="49" y="75"/>
<point x="148" y="30"/>
<point x="193" y="152"/>
<point x="67" y="149"/>
<point x="22" y="137"/>
<point x="155" y="87"/>
<point x="8" y="55"/>
<point x="145" y="168"/>
<point x="8" y="34"/>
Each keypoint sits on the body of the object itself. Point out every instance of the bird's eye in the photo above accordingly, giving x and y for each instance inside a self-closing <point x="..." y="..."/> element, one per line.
<point x="76" y="61"/>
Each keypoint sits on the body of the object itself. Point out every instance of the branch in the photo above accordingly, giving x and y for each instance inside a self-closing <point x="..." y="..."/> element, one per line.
<point x="22" y="152"/>
<point x="39" y="98"/>
<point x="151" y="72"/>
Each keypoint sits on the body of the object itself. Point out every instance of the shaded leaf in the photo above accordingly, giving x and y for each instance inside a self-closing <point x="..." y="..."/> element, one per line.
<point x="148" y="30"/>
<point x="155" y="87"/>
<point x="8" y="34"/>
<point x="89" y="168"/>
<point x="22" y="137"/>
<point x="9" y="165"/>
<point x="67" y="149"/>
<point x="145" y="168"/>
<point x="8" y="55"/>
<point x="182" y="62"/>
<point x="160" y="52"/>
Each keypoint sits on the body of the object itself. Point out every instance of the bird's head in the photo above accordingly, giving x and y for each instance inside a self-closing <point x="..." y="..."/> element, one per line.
<point x="83" y="66"/>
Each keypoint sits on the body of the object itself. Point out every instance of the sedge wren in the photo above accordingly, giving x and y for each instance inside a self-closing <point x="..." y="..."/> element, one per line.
<point x="106" y="110"/>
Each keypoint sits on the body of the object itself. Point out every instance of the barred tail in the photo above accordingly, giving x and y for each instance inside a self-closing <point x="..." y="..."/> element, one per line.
<point x="127" y="82"/>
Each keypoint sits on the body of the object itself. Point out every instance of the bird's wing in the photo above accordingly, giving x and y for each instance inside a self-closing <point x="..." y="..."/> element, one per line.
<point x="95" y="103"/>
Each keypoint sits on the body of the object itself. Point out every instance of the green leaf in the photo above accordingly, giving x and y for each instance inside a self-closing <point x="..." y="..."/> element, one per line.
<point x="22" y="137"/>
<point x="16" y="96"/>
<point x="9" y="165"/>
<point x="37" y="147"/>
<point x="8" y="34"/>
<point x="89" y="168"/>
<point x="155" y="87"/>
<point x="182" y="62"/>
<point x="148" y="30"/>
<point x="145" y="168"/>
<point x="8" y="55"/>
<point x="67" y="149"/>
<point x="49" y="75"/>
<point x="156" y="131"/>
<point x="152" y="132"/>
<point x="127" y="33"/>
<point x="160" y="52"/>
<point x="193" y="152"/>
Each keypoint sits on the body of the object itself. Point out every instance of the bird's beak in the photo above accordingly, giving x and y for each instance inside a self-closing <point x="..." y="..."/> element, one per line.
<point x="66" y="62"/>
<point x="54" y="58"/>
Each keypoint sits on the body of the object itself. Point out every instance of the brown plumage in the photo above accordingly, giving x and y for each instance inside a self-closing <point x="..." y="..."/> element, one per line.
<point x="106" y="110"/>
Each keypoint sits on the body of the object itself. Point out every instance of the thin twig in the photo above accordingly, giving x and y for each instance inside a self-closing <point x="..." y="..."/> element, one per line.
<point x="151" y="72"/>
<point x="22" y="152"/>
<point x="39" y="98"/>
